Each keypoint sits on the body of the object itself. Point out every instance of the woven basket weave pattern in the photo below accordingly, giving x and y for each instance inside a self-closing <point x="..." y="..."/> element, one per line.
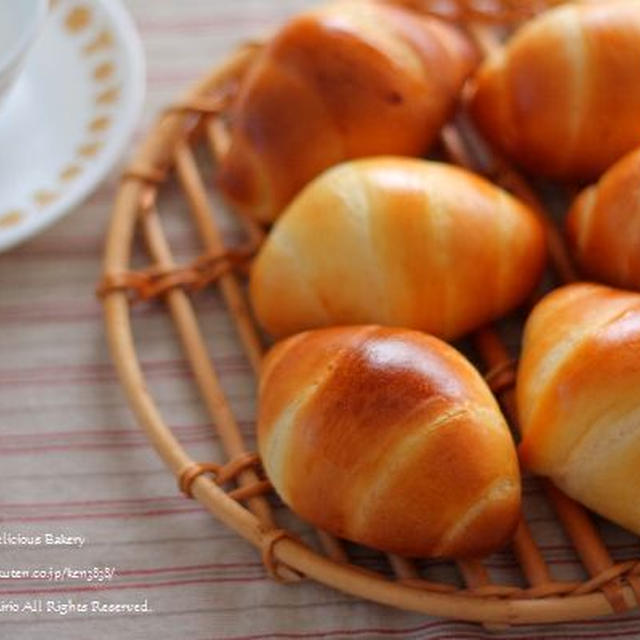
<point x="168" y="153"/>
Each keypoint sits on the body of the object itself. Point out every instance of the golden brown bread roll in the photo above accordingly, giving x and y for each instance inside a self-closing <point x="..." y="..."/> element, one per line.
<point x="603" y="225"/>
<point x="578" y="394"/>
<point x="399" y="242"/>
<point x="390" y="438"/>
<point x="348" y="80"/>
<point x="562" y="97"/>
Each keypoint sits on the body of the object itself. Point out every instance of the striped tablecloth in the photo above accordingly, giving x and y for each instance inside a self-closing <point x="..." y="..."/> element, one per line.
<point x="75" y="466"/>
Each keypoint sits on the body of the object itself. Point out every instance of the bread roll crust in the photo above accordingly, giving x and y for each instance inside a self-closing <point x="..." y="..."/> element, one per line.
<point x="563" y="95"/>
<point x="577" y="394"/>
<point x="400" y="242"/>
<point x="348" y="80"/>
<point x="390" y="438"/>
<point x="603" y="225"/>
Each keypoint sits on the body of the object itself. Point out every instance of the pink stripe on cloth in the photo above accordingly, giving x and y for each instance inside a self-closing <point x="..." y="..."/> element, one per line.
<point x="135" y="585"/>
<point x="101" y="516"/>
<point x="406" y="632"/>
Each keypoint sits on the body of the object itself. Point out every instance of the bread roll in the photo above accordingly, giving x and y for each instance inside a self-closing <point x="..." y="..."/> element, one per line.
<point x="603" y="225"/>
<point x="563" y="96"/>
<point x="399" y="242"/>
<point x="579" y="400"/>
<point x="347" y="80"/>
<point x="390" y="438"/>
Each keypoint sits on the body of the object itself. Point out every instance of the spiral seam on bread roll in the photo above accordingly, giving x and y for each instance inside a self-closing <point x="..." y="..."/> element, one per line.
<point x="348" y="416"/>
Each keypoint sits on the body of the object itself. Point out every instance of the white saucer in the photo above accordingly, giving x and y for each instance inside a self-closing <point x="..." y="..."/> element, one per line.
<point x="70" y="114"/>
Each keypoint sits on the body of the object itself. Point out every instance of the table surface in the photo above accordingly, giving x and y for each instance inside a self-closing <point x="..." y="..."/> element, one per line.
<point x="75" y="463"/>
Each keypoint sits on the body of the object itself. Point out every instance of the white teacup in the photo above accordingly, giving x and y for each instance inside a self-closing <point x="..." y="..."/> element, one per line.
<point x="20" y="21"/>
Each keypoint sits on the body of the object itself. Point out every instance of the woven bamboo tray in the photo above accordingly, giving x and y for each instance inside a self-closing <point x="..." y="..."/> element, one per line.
<point x="168" y="154"/>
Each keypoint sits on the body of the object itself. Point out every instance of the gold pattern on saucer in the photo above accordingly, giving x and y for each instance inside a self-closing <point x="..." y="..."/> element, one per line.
<point x="44" y="197"/>
<point x="70" y="172"/>
<point x="108" y="96"/>
<point x="89" y="150"/>
<point x="104" y="71"/>
<point x="10" y="218"/>
<point x="99" y="124"/>
<point x="78" y="19"/>
<point x="104" y="40"/>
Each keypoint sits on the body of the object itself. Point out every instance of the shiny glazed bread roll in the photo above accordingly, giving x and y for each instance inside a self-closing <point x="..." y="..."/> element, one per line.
<point x="390" y="438"/>
<point x="563" y="96"/>
<point x="399" y="242"/>
<point x="347" y="80"/>
<point x="579" y="400"/>
<point x="603" y="225"/>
